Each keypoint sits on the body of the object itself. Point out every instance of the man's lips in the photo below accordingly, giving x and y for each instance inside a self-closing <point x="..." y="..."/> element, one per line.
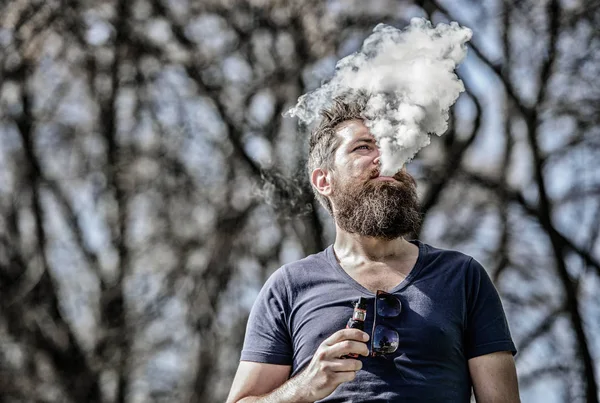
<point x="375" y="177"/>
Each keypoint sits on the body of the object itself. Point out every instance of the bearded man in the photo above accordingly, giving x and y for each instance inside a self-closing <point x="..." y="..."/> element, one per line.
<point x="435" y="326"/>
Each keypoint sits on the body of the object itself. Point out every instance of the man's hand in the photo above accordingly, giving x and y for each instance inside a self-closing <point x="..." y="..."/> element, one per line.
<point x="257" y="382"/>
<point x="326" y="371"/>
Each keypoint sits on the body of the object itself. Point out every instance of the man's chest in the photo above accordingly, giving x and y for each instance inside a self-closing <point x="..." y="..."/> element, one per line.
<point x="430" y="328"/>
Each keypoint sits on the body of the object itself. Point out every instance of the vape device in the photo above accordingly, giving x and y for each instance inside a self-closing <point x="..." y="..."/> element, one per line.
<point x="357" y="321"/>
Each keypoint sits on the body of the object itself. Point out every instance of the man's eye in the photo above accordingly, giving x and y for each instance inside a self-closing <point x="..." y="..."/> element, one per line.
<point x="363" y="146"/>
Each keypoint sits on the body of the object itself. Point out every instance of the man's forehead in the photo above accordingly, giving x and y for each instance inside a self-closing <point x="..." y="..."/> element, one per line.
<point x="353" y="130"/>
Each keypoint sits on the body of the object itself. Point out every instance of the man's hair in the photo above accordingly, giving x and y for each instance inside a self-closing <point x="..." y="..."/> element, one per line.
<point x="323" y="140"/>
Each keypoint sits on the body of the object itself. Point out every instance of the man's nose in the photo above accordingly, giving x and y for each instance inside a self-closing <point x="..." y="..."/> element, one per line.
<point x="377" y="159"/>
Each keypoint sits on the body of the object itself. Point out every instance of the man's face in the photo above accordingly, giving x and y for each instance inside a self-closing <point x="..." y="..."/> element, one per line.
<point x="363" y="202"/>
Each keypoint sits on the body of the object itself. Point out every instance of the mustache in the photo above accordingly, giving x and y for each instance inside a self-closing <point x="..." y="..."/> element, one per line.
<point x="400" y="176"/>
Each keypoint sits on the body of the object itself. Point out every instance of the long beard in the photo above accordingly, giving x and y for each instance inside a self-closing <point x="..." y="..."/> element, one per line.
<point x="386" y="210"/>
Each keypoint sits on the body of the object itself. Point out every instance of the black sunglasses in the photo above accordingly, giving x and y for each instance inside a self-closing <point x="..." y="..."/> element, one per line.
<point x="384" y="338"/>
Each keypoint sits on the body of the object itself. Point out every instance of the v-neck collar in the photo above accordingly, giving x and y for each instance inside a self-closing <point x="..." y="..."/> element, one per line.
<point x="330" y="256"/>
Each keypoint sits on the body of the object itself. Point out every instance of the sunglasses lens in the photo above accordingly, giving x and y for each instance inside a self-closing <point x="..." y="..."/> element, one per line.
<point x="388" y="306"/>
<point x="385" y="340"/>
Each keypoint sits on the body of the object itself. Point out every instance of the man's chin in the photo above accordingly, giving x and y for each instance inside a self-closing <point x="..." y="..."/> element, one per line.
<point x="388" y="234"/>
<point x="385" y="209"/>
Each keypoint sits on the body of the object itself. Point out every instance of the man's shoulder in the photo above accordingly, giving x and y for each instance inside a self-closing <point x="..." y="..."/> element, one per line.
<point x="310" y="262"/>
<point x="302" y="267"/>
<point x="300" y="276"/>
<point x="446" y="256"/>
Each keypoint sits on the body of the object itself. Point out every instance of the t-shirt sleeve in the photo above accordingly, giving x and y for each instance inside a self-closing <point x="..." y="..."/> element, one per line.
<point x="487" y="329"/>
<point x="267" y="336"/>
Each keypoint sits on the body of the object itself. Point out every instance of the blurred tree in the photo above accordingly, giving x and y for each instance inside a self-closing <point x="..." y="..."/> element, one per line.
<point x="149" y="183"/>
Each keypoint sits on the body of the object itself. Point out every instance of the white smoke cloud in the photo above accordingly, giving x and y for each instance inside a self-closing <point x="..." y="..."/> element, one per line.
<point x="409" y="78"/>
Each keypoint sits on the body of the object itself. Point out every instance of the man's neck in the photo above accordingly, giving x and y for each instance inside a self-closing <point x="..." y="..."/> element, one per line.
<point x="363" y="249"/>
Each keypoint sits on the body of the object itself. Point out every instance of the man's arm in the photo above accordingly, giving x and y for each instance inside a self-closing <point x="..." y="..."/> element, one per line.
<point x="494" y="378"/>
<point x="258" y="382"/>
<point x="257" y="379"/>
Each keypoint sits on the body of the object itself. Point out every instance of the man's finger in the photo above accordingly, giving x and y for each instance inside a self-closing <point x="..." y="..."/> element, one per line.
<point x="346" y="334"/>
<point x="346" y="347"/>
<point x="345" y="365"/>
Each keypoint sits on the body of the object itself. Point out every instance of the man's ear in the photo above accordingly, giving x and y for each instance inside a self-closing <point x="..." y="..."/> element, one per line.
<point x="321" y="180"/>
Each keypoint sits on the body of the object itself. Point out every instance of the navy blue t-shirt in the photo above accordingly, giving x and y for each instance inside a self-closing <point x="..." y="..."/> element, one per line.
<point x="451" y="312"/>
